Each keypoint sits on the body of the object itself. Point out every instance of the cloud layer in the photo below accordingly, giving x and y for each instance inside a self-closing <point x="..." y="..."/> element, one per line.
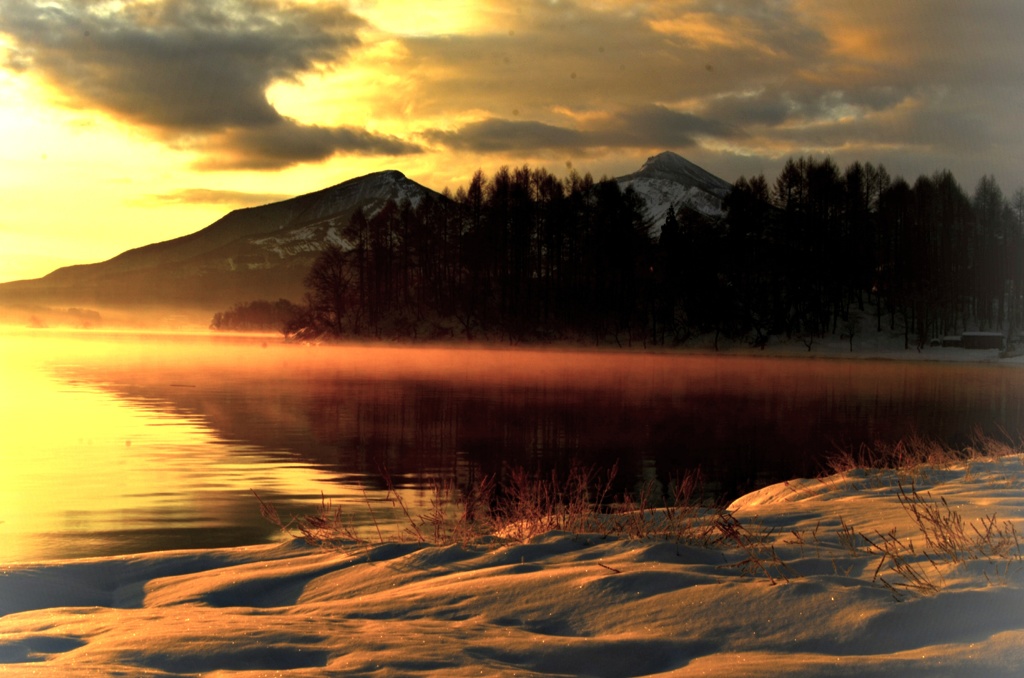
<point x="206" y="196"/>
<point x="195" y="72"/>
<point x="652" y="126"/>
<point x="923" y="84"/>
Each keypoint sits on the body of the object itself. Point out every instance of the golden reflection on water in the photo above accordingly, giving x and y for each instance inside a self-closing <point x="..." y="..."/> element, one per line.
<point x="127" y="442"/>
<point x="77" y="460"/>
<point x="86" y="465"/>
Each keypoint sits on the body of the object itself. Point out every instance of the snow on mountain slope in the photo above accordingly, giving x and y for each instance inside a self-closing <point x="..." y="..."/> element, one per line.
<point x="670" y="180"/>
<point x="304" y="239"/>
<point x="321" y="223"/>
<point x="370" y="192"/>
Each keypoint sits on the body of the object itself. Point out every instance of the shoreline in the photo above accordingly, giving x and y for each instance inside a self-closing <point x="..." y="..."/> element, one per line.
<point x="812" y="579"/>
<point x="884" y="346"/>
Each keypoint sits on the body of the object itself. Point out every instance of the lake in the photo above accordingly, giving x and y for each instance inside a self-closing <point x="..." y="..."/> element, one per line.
<point x="122" y="443"/>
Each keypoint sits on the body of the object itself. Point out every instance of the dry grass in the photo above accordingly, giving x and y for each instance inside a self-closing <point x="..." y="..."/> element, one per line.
<point x="911" y="456"/>
<point x="947" y="535"/>
<point x="324" y="527"/>
<point x="523" y="506"/>
<point x="949" y="542"/>
<point x="758" y="547"/>
<point x="944" y="539"/>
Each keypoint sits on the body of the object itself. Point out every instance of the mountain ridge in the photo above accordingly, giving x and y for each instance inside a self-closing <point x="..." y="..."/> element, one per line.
<point x="265" y="251"/>
<point x="250" y="222"/>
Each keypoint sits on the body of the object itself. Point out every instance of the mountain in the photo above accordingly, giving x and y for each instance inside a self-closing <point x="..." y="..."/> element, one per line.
<point x="257" y="252"/>
<point x="670" y="180"/>
<point x="265" y="252"/>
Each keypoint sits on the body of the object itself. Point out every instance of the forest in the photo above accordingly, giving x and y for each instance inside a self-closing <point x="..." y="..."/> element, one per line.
<point x="256" y="316"/>
<point x="524" y="256"/>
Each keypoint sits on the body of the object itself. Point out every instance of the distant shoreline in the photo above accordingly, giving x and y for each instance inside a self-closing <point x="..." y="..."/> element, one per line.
<point x="886" y="346"/>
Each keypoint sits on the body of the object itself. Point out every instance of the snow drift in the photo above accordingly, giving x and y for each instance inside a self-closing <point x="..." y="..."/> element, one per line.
<point x="806" y="588"/>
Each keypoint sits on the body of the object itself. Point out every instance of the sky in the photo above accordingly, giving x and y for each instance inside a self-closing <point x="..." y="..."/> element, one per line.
<point x="127" y="122"/>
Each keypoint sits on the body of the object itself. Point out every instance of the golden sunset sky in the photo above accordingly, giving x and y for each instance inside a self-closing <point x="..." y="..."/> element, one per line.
<point x="131" y="122"/>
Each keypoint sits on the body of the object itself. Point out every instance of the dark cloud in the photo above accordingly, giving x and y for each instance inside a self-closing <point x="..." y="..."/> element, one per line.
<point x="188" y="65"/>
<point x="928" y="76"/>
<point x="661" y="127"/>
<point x="583" y="57"/>
<point x="642" y="127"/>
<point x="794" y="104"/>
<point x="287" y="142"/>
<point x="551" y="54"/>
<point x="503" y="135"/>
<point x="193" y="68"/>
<point x="764" y="79"/>
<point x="757" y="108"/>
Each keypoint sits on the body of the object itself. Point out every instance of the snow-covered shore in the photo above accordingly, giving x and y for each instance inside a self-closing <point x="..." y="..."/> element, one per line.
<point x="867" y="345"/>
<point x="569" y="604"/>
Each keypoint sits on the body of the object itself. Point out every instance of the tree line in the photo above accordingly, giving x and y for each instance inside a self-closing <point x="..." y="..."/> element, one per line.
<point x="926" y="258"/>
<point x="257" y="316"/>
<point x="526" y="256"/>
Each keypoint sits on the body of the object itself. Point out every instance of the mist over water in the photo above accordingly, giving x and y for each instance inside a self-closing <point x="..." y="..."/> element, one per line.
<point x="116" y="443"/>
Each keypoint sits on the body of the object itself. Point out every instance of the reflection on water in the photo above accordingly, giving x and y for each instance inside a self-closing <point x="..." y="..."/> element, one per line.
<point x="117" y="445"/>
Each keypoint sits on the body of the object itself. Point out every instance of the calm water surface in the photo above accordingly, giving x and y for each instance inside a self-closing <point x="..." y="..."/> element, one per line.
<point x="120" y="443"/>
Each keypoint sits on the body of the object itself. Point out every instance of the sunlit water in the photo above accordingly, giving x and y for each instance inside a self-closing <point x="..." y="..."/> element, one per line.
<point x="119" y="443"/>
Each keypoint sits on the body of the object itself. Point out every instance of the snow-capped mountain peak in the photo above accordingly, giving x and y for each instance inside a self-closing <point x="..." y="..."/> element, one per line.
<point x="670" y="180"/>
<point x="672" y="166"/>
<point x="369" y="192"/>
